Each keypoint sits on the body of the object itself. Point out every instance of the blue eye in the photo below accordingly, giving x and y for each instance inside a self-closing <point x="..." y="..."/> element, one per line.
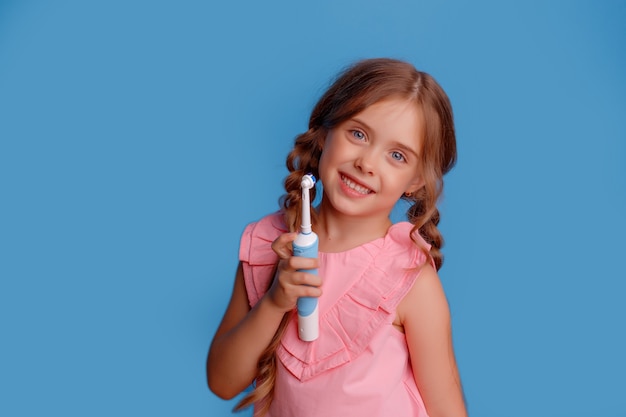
<point x="397" y="156"/>
<point x="358" y="135"/>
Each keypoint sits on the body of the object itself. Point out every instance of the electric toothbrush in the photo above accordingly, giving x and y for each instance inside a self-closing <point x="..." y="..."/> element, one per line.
<point x="305" y="245"/>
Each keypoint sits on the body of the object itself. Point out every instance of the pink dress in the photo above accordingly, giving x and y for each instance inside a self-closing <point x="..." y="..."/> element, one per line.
<point x="359" y="365"/>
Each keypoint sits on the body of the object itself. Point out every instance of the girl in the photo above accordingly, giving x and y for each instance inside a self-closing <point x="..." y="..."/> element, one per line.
<point x="383" y="131"/>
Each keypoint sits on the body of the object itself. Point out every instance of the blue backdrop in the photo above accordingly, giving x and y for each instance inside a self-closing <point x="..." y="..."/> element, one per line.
<point x="139" y="137"/>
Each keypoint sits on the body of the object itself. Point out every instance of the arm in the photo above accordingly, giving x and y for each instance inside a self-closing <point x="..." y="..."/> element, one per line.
<point x="425" y="316"/>
<point x="239" y="341"/>
<point x="244" y="333"/>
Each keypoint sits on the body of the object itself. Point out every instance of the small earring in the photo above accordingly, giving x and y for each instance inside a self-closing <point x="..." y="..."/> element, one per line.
<point x="408" y="194"/>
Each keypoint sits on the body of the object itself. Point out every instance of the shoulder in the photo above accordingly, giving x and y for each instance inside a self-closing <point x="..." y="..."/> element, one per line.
<point x="257" y="238"/>
<point x="425" y="304"/>
<point x="425" y="296"/>
<point x="402" y="241"/>
<point x="271" y="223"/>
<point x="399" y="263"/>
<point x="257" y="258"/>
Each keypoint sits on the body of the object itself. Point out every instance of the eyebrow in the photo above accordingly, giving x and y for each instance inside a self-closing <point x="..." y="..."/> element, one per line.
<point x="406" y="148"/>
<point x="396" y="143"/>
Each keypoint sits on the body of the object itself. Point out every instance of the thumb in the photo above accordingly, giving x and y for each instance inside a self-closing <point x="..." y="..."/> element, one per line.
<point x="282" y="246"/>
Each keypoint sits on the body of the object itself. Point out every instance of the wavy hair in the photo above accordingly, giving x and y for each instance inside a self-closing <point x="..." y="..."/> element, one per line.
<point x="362" y="84"/>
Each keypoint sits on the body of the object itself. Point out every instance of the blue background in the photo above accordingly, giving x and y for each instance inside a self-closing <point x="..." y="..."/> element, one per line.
<point x="139" y="137"/>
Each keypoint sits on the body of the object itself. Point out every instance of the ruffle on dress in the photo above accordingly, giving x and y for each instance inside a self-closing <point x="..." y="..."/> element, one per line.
<point x="346" y="327"/>
<point x="258" y="258"/>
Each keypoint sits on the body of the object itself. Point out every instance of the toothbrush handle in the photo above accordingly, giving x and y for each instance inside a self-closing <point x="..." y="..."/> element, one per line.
<point x="305" y="246"/>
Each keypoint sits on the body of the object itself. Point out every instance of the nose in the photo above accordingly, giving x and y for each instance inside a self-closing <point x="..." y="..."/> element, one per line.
<point x="366" y="162"/>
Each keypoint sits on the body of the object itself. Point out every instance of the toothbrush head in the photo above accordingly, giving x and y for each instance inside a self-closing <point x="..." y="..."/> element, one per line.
<point x="308" y="182"/>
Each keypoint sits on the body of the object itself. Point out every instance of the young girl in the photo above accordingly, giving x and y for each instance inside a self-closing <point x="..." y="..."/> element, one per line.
<point x="383" y="131"/>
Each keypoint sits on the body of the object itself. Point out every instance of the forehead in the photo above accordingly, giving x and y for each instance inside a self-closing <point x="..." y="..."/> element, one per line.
<point x="397" y="118"/>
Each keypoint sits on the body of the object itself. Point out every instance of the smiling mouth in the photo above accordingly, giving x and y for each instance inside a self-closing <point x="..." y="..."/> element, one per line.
<point x="354" y="186"/>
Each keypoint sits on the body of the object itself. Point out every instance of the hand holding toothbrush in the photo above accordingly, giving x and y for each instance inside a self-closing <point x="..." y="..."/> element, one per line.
<point x="290" y="281"/>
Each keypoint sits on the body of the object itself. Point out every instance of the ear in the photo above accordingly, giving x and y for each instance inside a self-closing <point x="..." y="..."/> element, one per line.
<point x="416" y="185"/>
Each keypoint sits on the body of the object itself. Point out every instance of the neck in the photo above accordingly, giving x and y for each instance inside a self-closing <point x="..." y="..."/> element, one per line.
<point x="338" y="232"/>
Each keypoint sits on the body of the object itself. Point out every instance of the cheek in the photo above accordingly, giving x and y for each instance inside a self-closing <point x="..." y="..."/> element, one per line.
<point x="326" y="156"/>
<point x="323" y="165"/>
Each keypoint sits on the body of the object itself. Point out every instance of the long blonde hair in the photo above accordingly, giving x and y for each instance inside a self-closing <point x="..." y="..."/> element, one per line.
<point x="359" y="86"/>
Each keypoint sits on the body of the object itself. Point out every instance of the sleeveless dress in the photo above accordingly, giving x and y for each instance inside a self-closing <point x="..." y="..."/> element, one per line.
<point x="359" y="365"/>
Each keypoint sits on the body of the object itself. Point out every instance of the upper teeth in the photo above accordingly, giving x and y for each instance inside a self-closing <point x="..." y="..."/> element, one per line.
<point x="356" y="187"/>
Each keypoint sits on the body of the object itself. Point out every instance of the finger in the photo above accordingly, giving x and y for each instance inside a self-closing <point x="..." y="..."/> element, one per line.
<point x="312" y="292"/>
<point x="308" y="291"/>
<point x="282" y="246"/>
<point x="306" y="279"/>
<point x="297" y="262"/>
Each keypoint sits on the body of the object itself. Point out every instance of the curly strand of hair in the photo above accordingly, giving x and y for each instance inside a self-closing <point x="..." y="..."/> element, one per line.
<point x="291" y="200"/>
<point x="425" y="217"/>
<point x="263" y="392"/>
<point x="303" y="159"/>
